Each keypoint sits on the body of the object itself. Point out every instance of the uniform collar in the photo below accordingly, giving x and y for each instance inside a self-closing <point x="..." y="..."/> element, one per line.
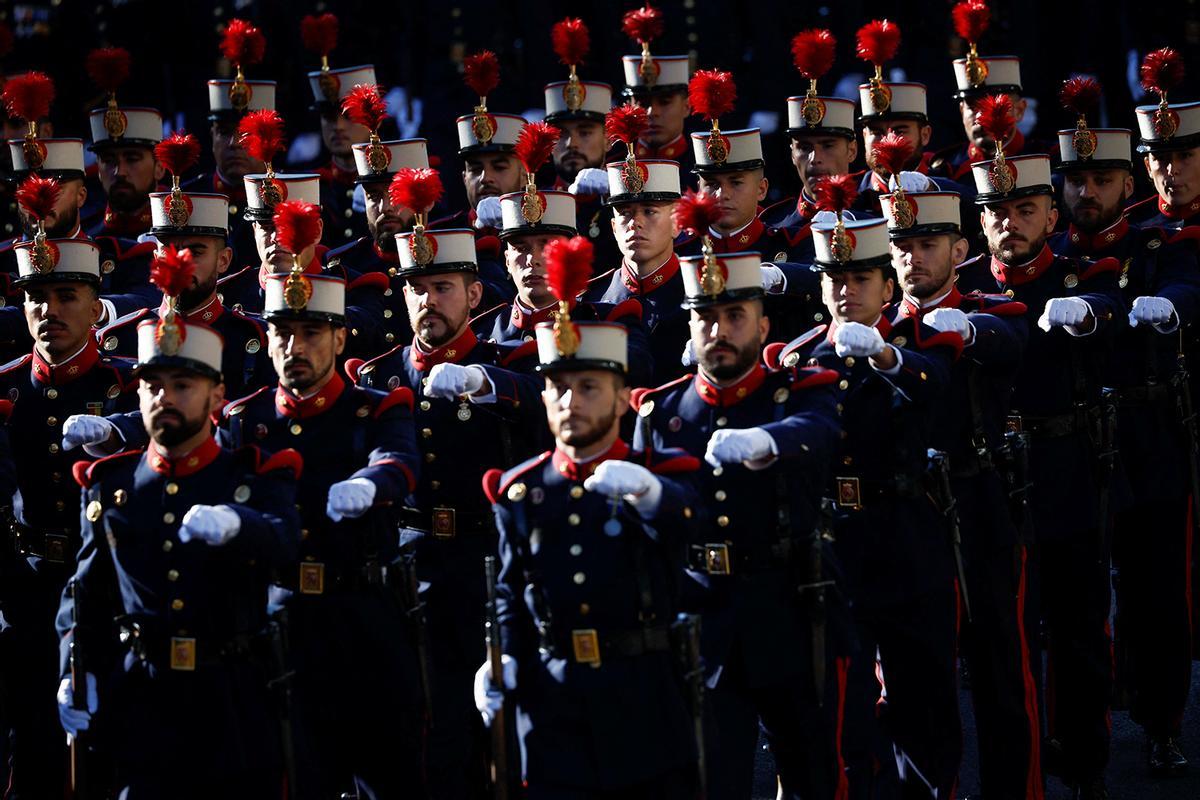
<point x="1012" y="148"/>
<point x="1094" y="243"/>
<point x="234" y="191"/>
<point x="524" y="319"/>
<point x="911" y="307"/>
<point x="734" y="393"/>
<point x="806" y="208"/>
<point x="332" y="172"/>
<point x="312" y="268"/>
<point x="644" y="285"/>
<point x="207" y="314"/>
<point x="1022" y="273"/>
<point x="740" y="239"/>
<point x="883" y="325"/>
<point x="451" y="353"/>
<point x="127" y="224"/>
<point x="1178" y="212"/>
<point x="671" y="151"/>
<point x="578" y="471"/>
<point x="383" y="255"/>
<point x="295" y="407"/>
<point x="59" y="374"/>
<point x="200" y="457"/>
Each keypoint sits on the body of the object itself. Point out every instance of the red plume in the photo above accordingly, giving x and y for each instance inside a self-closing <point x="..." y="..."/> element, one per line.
<point x="108" y="67"/>
<point x="242" y="43"/>
<point x="1080" y="95"/>
<point x="892" y="152"/>
<point x="697" y="211"/>
<point x="178" y="153"/>
<point x="813" y="52"/>
<point x="297" y="225"/>
<point x="878" y="41"/>
<point x="535" y="144"/>
<point x="319" y="33"/>
<point x="570" y="40"/>
<point x="418" y="190"/>
<point x="626" y="123"/>
<point x="835" y="193"/>
<point x="711" y="93"/>
<point x="481" y="72"/>
<point x="643" y="24"/>
<point x="1162" y="71"/>
<point x="568" y="266"/>
<point x="28" y="96"/>
<point x="994" y="113"/>
<point x="971" y="18"/>
<point x="261" y="134"/>
<point x="172" y="270"/>
<point x="37" y="196"/>
<point x="364" y="104"/>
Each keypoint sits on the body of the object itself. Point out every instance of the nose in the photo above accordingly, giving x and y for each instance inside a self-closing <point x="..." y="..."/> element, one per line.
<point x="293" y="346"/>
<point x="567" y="399"/>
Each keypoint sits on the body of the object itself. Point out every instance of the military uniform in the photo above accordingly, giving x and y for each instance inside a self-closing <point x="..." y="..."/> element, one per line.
<point x="133" y="127"/>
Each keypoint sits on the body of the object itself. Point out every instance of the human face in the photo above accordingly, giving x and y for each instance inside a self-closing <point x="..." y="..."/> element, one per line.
<point x="816" y="157"/>
<point x="857" y="295"/>
<point x="272" y="253"/>
<point x="339" y="133"/>
<point x="1176" y="175"/>
<point x="64" y="219"/>
<point x="728" y="338"/>
<point x="232" y="160"/>
<point x="645" y="232"/>
<point x="385" y="220"/>
<point x="491" y="175"/>
<point x="667" y="114"/>
<point x="128" y="175"/>
<point x="582" y="144"/>
<point x="584" y="408"/>
<point x="1095" y="198"/>
<point x="177" y="404"/>
<point x="925" y="264"/>
<point x="523" y="258"/>
<point x="738" y="194"/>
<point x="440" y="306"/>
<point x="975" y="132"/>
<point x="60" y="317"/>
<point x="212" y="258"/>
<point x="1016" y="230"/>
<point x="303" y="352"/>
<point x="909" y="129"/>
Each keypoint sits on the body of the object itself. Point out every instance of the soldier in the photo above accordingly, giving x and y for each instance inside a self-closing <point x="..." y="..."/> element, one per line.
<point x="179" y="544"/>
<point x="1057" y="401"/>
<point x="65" y="374"/>
<point x="585" y="615"/>
<point x="658" y="84"/>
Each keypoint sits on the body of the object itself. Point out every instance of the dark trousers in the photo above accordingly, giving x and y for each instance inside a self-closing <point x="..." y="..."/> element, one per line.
<point x="676" y="785"/>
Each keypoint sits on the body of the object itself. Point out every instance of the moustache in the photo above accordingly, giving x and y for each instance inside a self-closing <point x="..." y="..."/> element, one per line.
<point x="296" y="362"/>
<point x="721" y="346"/>
<point x="165" y="413"/>
<point x="427" y="315"/>
<point x="51" y="326"/>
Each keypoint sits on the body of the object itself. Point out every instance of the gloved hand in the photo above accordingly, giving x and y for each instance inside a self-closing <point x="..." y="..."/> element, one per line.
<point x="214" y="525"/>
<point x="688" y="359"/>
<point x="589" y="180"/>
<point x="350" y="498"/>
<point x="488" y="214"/>
<point x="856" y="339"/>
<point x="88" y="430"/>
<point x="487" y="696"/>
<point x="640" y="487"/>
<point x="772" y="277"/>
<point x="739" y="446"/>
<point x="912" y="182"/>
<point x="1151" y="311"/>
<point x="950" y="320"/>
<point x="1066" y="312"/>
<point x="75" y="719"/>
<point x="451" y="381"/>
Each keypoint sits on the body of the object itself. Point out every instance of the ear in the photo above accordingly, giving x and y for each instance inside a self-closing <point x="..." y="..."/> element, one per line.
<point x="889" y="290"/>
<point x="959" y="250"/>
<point x="926" y="135"/>
<point x="159" y="171"/>
<point x="623" y="401"/>
<point x="218" y="394"/>
<point x="320" y="228"/>
<point x="475" y="293"/>
<point x="1019" y="105"/>
<point x="1128" y="190"/>
<point x="224" y="259"/>
<point x="763" y="186"/>
<point x="97" y="308"/>
<point x="852" y="151"/>
<point x="339" y="340"/>
<point x="81" y="195"/>
<point x="675" y="230"/>
<point x="764" y="328"/>
<point x="1051" y="220"/>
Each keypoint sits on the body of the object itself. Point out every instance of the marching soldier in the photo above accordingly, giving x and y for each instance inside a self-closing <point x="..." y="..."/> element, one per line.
<point x="658" y="84"/>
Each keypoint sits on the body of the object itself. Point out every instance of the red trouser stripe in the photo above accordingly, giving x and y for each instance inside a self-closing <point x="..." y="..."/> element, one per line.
<point x="843" y="780"/>
<point x="1033" y="776"/>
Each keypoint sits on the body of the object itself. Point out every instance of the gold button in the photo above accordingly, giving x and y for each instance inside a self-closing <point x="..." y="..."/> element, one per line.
<point x="172" y="488"/>
<point x="425" y="405"/>
<point x="168" y="545"/>
<point x="579" y="578"/>
<point x="387" y="313"/>
<point x="722" y="521"/>
<point x="56" y="476"/>
<point x="924" y="377"/>
<point x="720" y="495"/>
<point x="387" y="292"/>
<point x="241" y="494"/>
<point x="718" y="472"/>
<point x="52" y="393"/>
<point x="177" y="604"/>
<point x="426" y="432"/>
<point x="585" y="609"/>
<point x="722" y="422"/>
<point x="572" y="519"/>
<point x="94" y="510"/>
<point x="303" y="534"/>
<point x="295" y="429"/>
<point x="435" y="485"/>
<point x="59" y="505"/>
<point x="51" y="421"/>
<point x="429" y="457"/>
<point x="169" y="518"/>
<point x="576" y="549"/>
<point x="849" y="361"/>
<point x="53" y="448"/>
<point x="687" y="512"/>
<point x="172" y="575"/>
<point x="576" y="492"/>
<point x="843" y="384"/>
<point x="847" y="460"/>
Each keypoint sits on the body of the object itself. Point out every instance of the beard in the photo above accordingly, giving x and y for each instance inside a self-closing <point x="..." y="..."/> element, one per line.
<point x="126" y="198"/>
<point x="597" y="429"/>
<point x="197" y="295"/>
<point x="180" y="432"/>
<point x="432" y="338"/>
<point x="727" y="370"/>
<point x="1092" y="218"/>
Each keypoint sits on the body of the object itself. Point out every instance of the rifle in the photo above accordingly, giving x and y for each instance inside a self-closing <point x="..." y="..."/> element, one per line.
<point x="815" y="585"/>
<point x="79" y="780"/>
<point x="280" y="685"/>
<point x="939" y="462"/>
<point x="409" y="590"/>
<point x="491" y="638"/>
<point x="686" y="639"/>
<point x="1181" y="383"/>
<point x="1106" y="457"/>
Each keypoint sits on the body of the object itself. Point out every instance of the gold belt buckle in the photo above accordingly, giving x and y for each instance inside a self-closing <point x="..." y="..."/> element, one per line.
<point x="312" y="578"/>
<point x="1013" y="423"/>
<point x="586" y="644"/>
<point x="56" y="548"/>
<point x="443" y="522"/>
<point x="716" y="559"/>
<point x="183" y="653"/>
<point x="849" y="492"/>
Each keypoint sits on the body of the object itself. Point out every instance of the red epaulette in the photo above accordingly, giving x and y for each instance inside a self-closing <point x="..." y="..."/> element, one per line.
<point x="352" y="368"/>
<point x="810" y="377"/>
<point x="282" y="459"/>
<point x="16" y="363"/>
<point x="1188" y="233"/>
<point x="401" y="395"/>
<point x="795" y="344"/>
<point x="6" y="408"/>
<point x="227" y="278"/>
<point x="1000" y="305"/>
<point x="508" y="478"/>
<point x="525" y="349"/>
<point x="638" y="396"/>
<point x="1108" y="264"/>
<point x="120" y="322"/>
<point x="233" y="406"/>
<point x="139" y="249"/>
<point x="370" y="280"/>
<point x="86" y="472"/>
<point x="626" y="308"/>
<point x="673" y="462"/>
<point x="483" y="314"/>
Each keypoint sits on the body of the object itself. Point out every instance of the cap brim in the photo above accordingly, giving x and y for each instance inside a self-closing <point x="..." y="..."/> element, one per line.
<point x="852" y="265"/>
<point x="733" y="296"/>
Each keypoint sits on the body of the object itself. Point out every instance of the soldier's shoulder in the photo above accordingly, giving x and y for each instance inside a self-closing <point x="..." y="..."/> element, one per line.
<point x="666" y="461"/>
<point x="1000" y="305"/>
<point x="287" y="462"/>
<point x="125" y="249"/>
<point x="642" y="399"/>
<point x="789" y="354"/>
<point x="124" y="323"/>
<point x="377" y="401"/>
<point x="239" y="406"/>
<point x="12" y="367"/>
<point x="88" y="474"/>
<point x="483" y="321"/>
<point x="512" y="356"/>
<point x="500" y="484"/>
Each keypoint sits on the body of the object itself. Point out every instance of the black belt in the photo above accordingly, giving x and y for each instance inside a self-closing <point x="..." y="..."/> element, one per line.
<point x="184" y="653"/>
<point x="318" y="578"/>
<point x="445" y="522"/>
<point x="590" y="646"/>
<point x="53" y="544"/>
<point x="855" y="492"/>
<point x="1057" y="426"/>
<point x="722" y="558"/>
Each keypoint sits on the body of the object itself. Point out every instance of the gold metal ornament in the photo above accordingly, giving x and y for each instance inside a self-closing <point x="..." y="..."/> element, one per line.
<point x="977" y="68"/>
<point x="482" y="126"/>
<point x="647" y="70"/>
<point x="115" y="123"/>
<point x="712" y="281"/>
<point x="1000" y="174"/>
<point x="32" y="149"/>
<point x="177" y="207"/>
<point x="239" y="92"/>
<point x="573" y="92"/>
<point x="533" y="206"/>
<point x="631" y="174"/>
<point x="268" y="191"/>
<point x="420" y="246"/>
<point x="881" y="93"/>
<point x="812" y="110"/>
<point x="169" y="335"/>
<point x="377" y="155"/>
<point x="1084" y="140"/>
<point x="41" y="256"/>
<point x="329" y="85"/>
<point x="297" y="291"/>
<point x="840" y="245"/>
<point x="716" y="146"/>
<point x="902" y="210"/>
<point x="1164" y="121"/>
<point x="566" y="337"/>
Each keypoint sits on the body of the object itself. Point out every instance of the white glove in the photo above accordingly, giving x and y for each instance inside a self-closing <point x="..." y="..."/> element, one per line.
<point x="1151" y="311"/>
<point x="772" y="277"/>
<point x="451" y="381"/>
<point x="856" y="339"/>
<point x="1066" y="312"/>
<point x="350" y="498"/>
<point x="688" y="359"/>
<point x="488" y="698"/>
<point x="950" y="320"/>
<point x="214" y="525"/>
<point x="745" y="446"/>
<point x="638" y="485"/>
<point x="589" y="180"/>
<point x="488" y="214"/>
<point x="75" y="719"/>
<point x="912" y="182"/>
<point x="88" y="430"/>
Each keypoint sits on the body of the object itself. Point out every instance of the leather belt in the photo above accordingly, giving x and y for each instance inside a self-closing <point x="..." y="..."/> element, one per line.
<point x="722" y="558"/>
<point x="1056" y="426"/>
<point x="855" y="492"/>
<point x="184" y="653"/>
<point x="590" y="646"/>
<point x="445" y="522"/>
<point x="57" y="545"/>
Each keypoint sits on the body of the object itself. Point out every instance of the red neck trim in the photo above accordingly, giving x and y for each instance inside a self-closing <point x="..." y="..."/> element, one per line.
<point x="200" y="457"/>
<point x="1022" y="273"/>
<point x="1093" y="243"/>
<point x="1178" y="212"/>
<point x="578" y="471"/>
<point x="121" y="223"/>
<point x="524" y="319"/>
<point x="734" y="393"/>
<point x="338" y="175"/>
<point x="641" y="286"/>
<point x="671" y="151"/>
<point x="207" y="314"/>
<point x="75" y="366"/>
<point x="741" y="240"/>
<point x="450" y="353"/>
<point x="302" y="408"/>
<point x="235" y="193"/>
<point x="383" y="255"/>
<point x="911" y="308"/>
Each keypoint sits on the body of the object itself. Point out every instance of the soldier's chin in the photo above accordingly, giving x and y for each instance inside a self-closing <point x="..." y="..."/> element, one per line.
<point x="169" y="435"/>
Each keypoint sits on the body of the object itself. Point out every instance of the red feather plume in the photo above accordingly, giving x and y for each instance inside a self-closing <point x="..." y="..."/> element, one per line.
<point x="892" y="152"/>
<point x="994" y="113"/>
<point x="319" y="33"/>
<point x="37" y="195"/>
<point x="1162" y="70"/>
<point x="835" y="193"/>
<point x="418" y="190"/>
<point x="297" y="225"/>
<point x="697" y="211"/>
<point x="878" y="41"/>
<point x="711" y="93"/>
<point x="172" y="270"/>
<point x="1080" y="95"/>
<point x="481" y="72"/>
<point x="568" y="266"/>
<point x="261" y="134"/>
<point x="364" y="104"/>
<point x="178" y="153"/>
<point x="535" y="144"/>
<point x="971" y="19"/>
<point x="813" y="52"/>
<point x="108" y="67"/>
<point x="570" y="40"/>
<point x="626" y="123"/>
<point x="242" y="43"/>
<point x="643" y="24"/>
<point x="28" y="96"/>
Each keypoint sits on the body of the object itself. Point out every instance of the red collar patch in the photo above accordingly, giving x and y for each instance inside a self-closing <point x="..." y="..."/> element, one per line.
<point x="450" y="353"/>
<point x="1093" y="243"/>
<point x="294" y="407"/>
<point x="184" y="465"/>
<point x="1023" y="273"/>
<point x="74" y="367"/>
<point x="579" y="471"/>
<point x="733" y="394"/>
<point x="660" y="277"/>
